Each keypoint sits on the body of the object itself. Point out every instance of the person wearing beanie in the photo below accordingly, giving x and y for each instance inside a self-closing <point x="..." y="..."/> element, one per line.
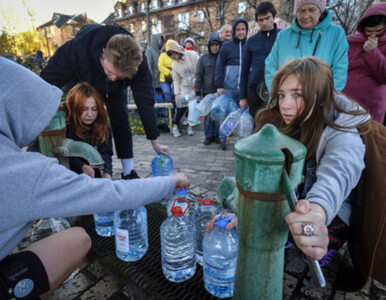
<point x="184" y="70"/>
<point x="256" y="50"/>
<point x="311" y="33"/>
<point x="189" y="44"/>
<point x="366" y="78"/>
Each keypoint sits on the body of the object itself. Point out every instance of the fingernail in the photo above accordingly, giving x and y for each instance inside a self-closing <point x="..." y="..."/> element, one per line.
<point x="302" y="207"/>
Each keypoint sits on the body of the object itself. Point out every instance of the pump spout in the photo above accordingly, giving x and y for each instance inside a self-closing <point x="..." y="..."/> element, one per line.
<point x="70" y="148"/>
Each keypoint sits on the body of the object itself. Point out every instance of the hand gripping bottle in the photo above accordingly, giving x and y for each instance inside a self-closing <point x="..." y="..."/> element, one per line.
<point x="220" y="257"/>
<point x="131" y="241"/>
<point x="201" y="218"/>
<point x="178" y="246"/>
<point x="180" y="197"/>
<point x="246" y="124"/>
<point x="104" y="224"/>
<point x="230" y="123"/>
<point x="162" y="165"/>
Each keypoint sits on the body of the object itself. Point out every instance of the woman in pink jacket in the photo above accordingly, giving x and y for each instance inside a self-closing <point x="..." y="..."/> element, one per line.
<point x="366" y="78"/>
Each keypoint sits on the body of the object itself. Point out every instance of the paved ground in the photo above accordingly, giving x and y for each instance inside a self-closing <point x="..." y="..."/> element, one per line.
<point x="205" y="166"/>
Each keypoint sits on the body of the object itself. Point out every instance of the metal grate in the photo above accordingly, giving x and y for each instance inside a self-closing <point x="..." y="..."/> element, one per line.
<point x="147" y="272"/>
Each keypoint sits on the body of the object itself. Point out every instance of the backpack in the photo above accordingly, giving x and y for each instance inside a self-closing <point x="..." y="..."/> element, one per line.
<point x="367" y="234"/>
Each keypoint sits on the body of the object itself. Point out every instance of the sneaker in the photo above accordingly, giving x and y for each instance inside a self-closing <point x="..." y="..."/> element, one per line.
<point x="133" y="175"/>
<point x="185" y="122"/>
<point x="223" y="145"/>
<point x="325" y="259"/>
<point x="216" y="139"/>
<point x="207" y="141"/>
<point x="190" y="130"/>
<point x="176" y="132"/>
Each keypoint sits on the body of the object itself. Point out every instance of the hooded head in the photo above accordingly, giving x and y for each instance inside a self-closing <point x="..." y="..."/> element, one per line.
<point x="213" y="39"/>
<point x="321" y="4"/>
<point x="175" y="47"/>
<point x="236" y="35"/>
<point x="27" y="103"/>
<point x="375" y="15"/>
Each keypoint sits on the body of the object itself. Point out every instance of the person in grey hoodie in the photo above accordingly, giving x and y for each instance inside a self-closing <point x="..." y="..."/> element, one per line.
<point x="27" y="104"/>
<point x="152" y="54"/>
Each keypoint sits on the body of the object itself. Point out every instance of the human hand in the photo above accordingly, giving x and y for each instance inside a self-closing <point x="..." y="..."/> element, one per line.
<point x="231" y="224"/>
<point x="181" y="181"/>
<point x="243" y="104"/>
<point x="370" y="44"/>
<point x="316" y="245"/>
<point x="220" y="91"/>
<point x="162" y="149"/>
<point x="86" y="169"/>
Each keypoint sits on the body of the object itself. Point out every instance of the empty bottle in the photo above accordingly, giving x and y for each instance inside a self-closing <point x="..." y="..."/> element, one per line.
<point x="219" y="108"/>
<point x="104" y="224"/>
<point x="131" y="240"/>
<point x="201" y="218"/>
<point x="178" y="246"/>
<point x="46" y="227"/>
<point x="205" y="104"/>
<point x="162" y="165"/>
<point x="180" y="197"/>
<point x="220" y="257"/>
<point x="246" y="124"/>
<point x="194" y="116"/>
<point x="183" y="100"/>
<point x="230" y="123"/>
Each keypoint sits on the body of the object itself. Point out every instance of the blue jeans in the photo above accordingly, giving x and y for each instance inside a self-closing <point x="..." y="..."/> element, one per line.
<point x="234" y="94"/>
<point x="211" y="127"/>
<point x="167" y="90"/>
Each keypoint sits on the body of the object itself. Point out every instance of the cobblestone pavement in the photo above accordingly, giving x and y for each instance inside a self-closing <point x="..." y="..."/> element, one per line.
<point x="205" y="166"/>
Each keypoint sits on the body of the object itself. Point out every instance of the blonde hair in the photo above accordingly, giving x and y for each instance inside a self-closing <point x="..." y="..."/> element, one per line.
<point x="124" y="53"/>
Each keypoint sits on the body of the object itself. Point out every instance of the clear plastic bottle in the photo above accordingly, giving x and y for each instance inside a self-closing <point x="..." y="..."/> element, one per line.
<point x="104" y="224"/>
<point x="178" y="246"/>
<point x="220" y="258"/>
<point x="179" y="197"/>
<point x="48" y="226"/>
<point x="246" y="124"/>
<point x="131" y="242"/>
<point x="205" y="104"/>
<point x="201" y="218"/>
<point x="219" y="108"/>
<point x="193" y="114"/>
<point x="162" y="165"/>
<point x="183" y="100"/>
<point x="230" y="123"/>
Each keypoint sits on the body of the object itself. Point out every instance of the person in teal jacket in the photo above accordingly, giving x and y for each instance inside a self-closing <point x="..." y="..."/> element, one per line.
<point x="311" y="34"/>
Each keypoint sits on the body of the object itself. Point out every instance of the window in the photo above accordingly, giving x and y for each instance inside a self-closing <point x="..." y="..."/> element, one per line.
<point x="200" y="16"/>
<point x="143" y="27"/>
<point x="220" y="13"/>
<point x="131" y="28"/>
<point x="155" y="26"/>
<point x="154" y="4"/>
<point x="169" y="2"/>
<point x="183" y="21"/>
<point x="142" y="8"/>
<point x="129" y="10"/>
<point x="242" y="7"/>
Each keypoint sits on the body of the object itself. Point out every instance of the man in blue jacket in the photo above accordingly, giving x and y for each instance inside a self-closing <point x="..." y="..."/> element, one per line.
<point x="256" y="50"/>
<point x="109" y="58"/>
<point x="228" y="65"/>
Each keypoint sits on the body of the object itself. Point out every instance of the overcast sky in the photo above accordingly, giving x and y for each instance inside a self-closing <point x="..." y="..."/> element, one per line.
<point x="96" y="10"/>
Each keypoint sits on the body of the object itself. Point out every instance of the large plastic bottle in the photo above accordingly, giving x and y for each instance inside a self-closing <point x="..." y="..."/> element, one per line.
<point x="205" y="104"/>
<point x="179" y="197"/>
<point x="162" y="165"/>
<point x="220" y="107"/>
<point x="131" y="240"/>
<point x="183" y="100"/>
<point x="230" y="123"/>
<point x="246" y="124"/>
<point x="178" y="246"/>
<point x="46" y="227"/>
<point x="104" y="224"/>
<point x="194" y="116"/>
<point x="220" y="257"/>
<point x="201" y="218"/>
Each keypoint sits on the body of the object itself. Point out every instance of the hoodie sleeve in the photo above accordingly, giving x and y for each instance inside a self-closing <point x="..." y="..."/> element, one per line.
<point x="200" y="76"/>
<point x="272" y="64"/>
<point x="245" y="65"/>
<point x="220" y="69"/>
<point x="339" y="65"/>
<point x="161" y="65"/>
<point x="376" y="61"/>
<point x="176" y="79"/>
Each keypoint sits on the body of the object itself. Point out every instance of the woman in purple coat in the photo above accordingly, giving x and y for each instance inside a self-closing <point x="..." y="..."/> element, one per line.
<point x="366" y="78"/>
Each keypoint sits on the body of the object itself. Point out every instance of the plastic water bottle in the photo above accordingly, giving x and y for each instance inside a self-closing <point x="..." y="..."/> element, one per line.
<point x="183" y="100"/>
<point x="219" y="108"/>
<point x="205" y="104"/>
<point x="46" y="227"/>
<point x="104" y="224"/>
<point x="179" y="197"/>
<point x="131" y="241"/>
<point x="193" y="114"/>
<point x="230" y="123"/>
<point x="246" y="124"/>
<point x="162" y="165"/>
<point x="178" y="246"/>
<point x="220" y="257"/>
<point x="201" y="218"/>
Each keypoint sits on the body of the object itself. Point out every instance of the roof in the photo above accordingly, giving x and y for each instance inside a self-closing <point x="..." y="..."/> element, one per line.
<point x="59" y="20"/>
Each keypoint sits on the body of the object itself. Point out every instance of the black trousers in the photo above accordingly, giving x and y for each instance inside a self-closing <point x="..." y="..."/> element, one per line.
<point x="179" y="113"/>
<point x="254" y="101"/>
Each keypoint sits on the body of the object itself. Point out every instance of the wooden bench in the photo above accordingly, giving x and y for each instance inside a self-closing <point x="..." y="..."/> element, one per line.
<point x="167" y="105"/>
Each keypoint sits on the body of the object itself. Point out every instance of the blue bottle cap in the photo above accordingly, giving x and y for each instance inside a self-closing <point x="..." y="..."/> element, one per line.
<point x="183" y="191"/>
<point x="223" y="221"/>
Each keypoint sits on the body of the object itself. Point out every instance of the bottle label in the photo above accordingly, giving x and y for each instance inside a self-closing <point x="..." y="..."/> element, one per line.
<point x="229" y="125"/>
<point x="221" y="273"/>
<point x="122" y="238"/>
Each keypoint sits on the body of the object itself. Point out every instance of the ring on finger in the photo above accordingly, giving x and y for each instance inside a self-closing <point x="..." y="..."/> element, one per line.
<point x="308" y="229"/>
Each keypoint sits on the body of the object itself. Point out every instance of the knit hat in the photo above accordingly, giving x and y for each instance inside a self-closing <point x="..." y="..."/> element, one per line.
<point x="299" y="3"/>
<point x="175" y="47"/>
<point x="189" y="40"/>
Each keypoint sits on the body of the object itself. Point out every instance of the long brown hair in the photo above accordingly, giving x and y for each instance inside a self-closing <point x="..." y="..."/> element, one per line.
<point x="75" y="102"/>
<point x="318" y="92"/>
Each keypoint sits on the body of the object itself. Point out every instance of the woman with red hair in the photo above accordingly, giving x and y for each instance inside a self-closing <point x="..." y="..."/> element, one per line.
<point x="87" y="122"/>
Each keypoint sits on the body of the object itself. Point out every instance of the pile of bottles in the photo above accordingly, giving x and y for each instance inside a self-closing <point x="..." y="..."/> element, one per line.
<point x="238" y="118"/>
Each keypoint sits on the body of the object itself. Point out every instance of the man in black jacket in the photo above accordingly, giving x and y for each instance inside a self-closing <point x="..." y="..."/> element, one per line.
<point x="257" y="48"/>
<point x="109" y="58"/>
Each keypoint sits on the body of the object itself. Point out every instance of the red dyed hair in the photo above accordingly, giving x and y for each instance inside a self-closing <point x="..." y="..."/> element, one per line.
<point x="75" y="102"/>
